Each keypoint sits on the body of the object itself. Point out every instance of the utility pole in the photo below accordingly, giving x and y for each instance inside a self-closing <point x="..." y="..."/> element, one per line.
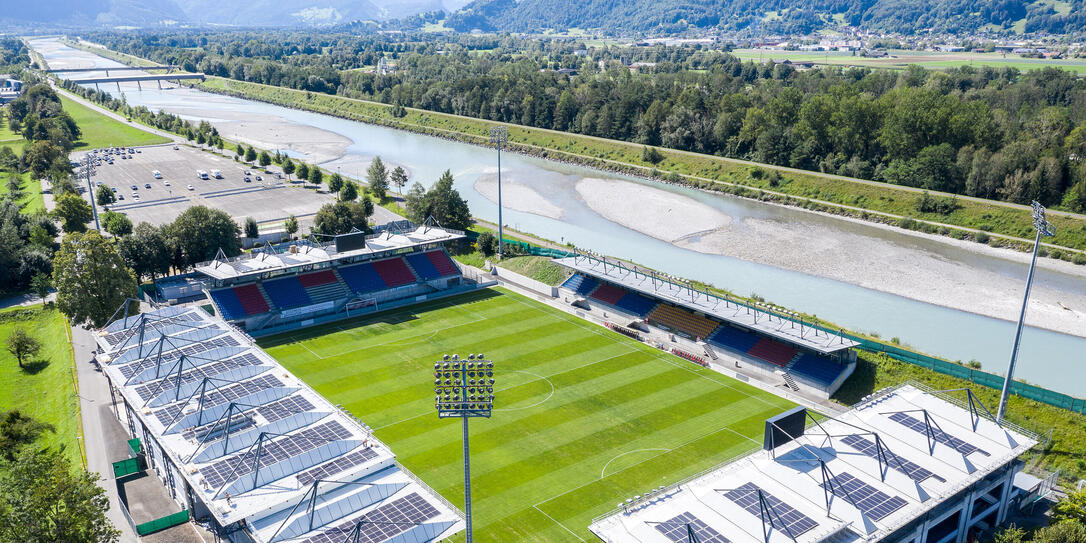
<point x="499" y="135"/>
<point x="88" y="169"/>
<point x="1043" y="228"/>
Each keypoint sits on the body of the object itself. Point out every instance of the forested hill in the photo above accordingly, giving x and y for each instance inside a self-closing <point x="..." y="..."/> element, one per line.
<point x="774" y="16"/>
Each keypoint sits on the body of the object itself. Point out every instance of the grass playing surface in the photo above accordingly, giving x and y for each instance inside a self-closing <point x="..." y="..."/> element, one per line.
<point x="584" y="418"/>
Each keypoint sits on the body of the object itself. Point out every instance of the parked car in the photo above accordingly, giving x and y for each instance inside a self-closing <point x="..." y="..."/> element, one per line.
<point x="146" y="185"/>
<point x="258" y="178"/>
<point x="135" y="197"/>
<point x="114" y="189"/>
<point x="120" y="197"/>
<point x="167" y="183"/>
<point x="175" y="147"/>
<point x="135" y="187"/>
<point x="248" y="179"/>
<point x="247" y="172"/>
<point x="157" y="174"/>
<point x="190" y="187"/>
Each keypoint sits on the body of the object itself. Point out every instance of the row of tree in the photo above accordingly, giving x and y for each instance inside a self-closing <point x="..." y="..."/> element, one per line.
<point x="986" y="132"/>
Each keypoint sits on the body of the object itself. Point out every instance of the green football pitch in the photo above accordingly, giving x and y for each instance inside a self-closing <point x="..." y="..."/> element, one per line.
<point x="584" y="418"/>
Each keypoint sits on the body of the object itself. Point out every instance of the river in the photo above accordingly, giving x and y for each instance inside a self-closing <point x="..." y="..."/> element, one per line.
<point x="860" y="276"/>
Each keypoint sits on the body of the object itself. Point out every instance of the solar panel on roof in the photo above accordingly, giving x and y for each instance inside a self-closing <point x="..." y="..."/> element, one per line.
<point x="746" y="496"/>
<point x="918" y="425"/>
<point x="337" y="465"/>
<point x="273" y="452"/>
<point x="911" y="469"/>
<point x="678" y="530"/>
<point x="284" y="408"/>
<point x="149" y="390"/>
<point x="166" y="360"/>
<point x="382" y="523"/>
<point x="168" y="414"/>
<point x="872" y="501"/>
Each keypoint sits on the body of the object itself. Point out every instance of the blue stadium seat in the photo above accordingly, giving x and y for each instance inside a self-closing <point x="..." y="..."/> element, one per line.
<point x="637" y="304"/>
<point x="287" y="292"/>
<point x="819" y="369"/>
<point x="229" y="304"/>
<point x="733" y="338"/>
<point x="362" y="278"/>
<point x="424" y="268"/>
<point x="581" y="284"/>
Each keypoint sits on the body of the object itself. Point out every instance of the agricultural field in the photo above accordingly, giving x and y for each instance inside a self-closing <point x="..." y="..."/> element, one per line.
<point x="584" y="418"/>
<point x="928" y="59"/>
<point x="102" y="131"/>
<point x="45" y="388"/>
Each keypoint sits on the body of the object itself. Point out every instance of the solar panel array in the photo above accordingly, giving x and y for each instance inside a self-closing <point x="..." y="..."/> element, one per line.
<point x="746" y="496"/>
<point x="678" y="529"/>
<point x="918" y="425"/>
<point x="338" y="465"/>
<point x="169" y="414"/>
<point x="150" y="390"/>
<point x="189" y="350"/>
<point x="122" y="335"/>
<point x="284" y="408"/>
<point x="872" y="501"/>
<point x="383" y="523"/>
<point x="208" y="432"/>
<point x="273" y="452"/>
<point x="913" y="470"/>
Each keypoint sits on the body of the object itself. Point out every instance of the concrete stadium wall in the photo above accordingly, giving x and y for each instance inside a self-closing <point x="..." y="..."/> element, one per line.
<point x="526" y="282"/>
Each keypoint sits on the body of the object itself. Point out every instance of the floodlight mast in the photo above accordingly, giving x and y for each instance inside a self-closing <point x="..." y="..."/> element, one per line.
<point x="1043" y="228"/>
<point x="499" y="135"/>
<point x="464" y="389"/>
<point x="88" y="170"/>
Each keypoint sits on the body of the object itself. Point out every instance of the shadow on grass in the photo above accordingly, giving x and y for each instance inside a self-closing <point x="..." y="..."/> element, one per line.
<point x="34" y="367"/>
<point x="859" y="384"/>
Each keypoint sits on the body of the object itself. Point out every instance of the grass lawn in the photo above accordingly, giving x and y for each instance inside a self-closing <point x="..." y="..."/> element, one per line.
<point x="32" y="199"/>
<point x="47" y="391"/>
<point x="584" y="417"/>
<point x="102" y="131"/>
<point x="9" y="138"/>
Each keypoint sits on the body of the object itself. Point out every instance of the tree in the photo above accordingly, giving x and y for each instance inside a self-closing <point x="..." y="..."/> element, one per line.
<point x="1061" y="532"/>
<point x="22" y="345"/>
<point x="41" y="284"/>
<point x="239" y="152"/>
<point x="104" y="196"/>
<point x="335" y="182"/>
<point x="443" y="203"/>
<point x="399" y="178"/>
<point x="651" y="155"/>
<point x="291" y="226"/>
<point x="315" y="175"/>
<point x="41" y="236"/>
<point x="116" y="223"/>
<point x="341" y="217"/>
<point x="1071" y="508"/>
<point x="1010" y="534"/>
<point x="487" y="243"/>
<point x="199" y="232"/>
<point x="43" y="499"/>
<point x="288" y="167"/>
<point x="265" y="160"/>
<point x="91" y="279"/>
<point x="18" y="430"/>
<point x="303" y="171"/>
<point x="415" y="202"/>
<point x="250" y="154"/>
<point x="377" y="177"/>
<point x="73" y="212"/>
<point x="349" y="192"/>
<point x="146" y="251"/>
<point x="251" y="229"/>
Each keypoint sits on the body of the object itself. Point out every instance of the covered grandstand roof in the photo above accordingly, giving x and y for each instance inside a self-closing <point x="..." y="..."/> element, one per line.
<point x="793" y="331"/>
<point x="253" y="441"/>
<point x="390" y="238"/>
<point x="862" y="475"/>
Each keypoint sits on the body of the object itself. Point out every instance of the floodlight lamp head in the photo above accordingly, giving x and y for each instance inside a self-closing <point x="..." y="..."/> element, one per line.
<point x="445" y="358"/>
<point x="456" y="357"/>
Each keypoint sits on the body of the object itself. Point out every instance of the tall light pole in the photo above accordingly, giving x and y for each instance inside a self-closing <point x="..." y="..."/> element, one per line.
<point x="1043" y="228"/>
<point x="464" y="389"/>
<point x="88" y="170"/>
<point x="499" y="135"/>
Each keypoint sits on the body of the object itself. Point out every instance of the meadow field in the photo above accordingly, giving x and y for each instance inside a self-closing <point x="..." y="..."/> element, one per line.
<point x="926" y="59"/>
<point x="102" y="131"/>
<point x="584" y="418"/>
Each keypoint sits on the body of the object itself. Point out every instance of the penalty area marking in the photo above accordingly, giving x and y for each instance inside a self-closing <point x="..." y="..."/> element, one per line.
<point x="604" y="470"/>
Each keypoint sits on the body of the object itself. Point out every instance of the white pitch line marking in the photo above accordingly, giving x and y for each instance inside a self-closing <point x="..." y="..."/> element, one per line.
<point x="620" y="455"/>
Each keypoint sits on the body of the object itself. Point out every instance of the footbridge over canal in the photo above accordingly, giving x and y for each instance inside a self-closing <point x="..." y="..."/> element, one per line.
<point x="168" y="67"/>
<point x="139" y="79"/>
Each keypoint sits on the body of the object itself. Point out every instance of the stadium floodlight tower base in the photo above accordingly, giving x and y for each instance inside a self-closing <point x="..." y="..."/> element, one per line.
<point x="464" y="389"/>
<point x="499" y="135"/>
<point x="1043" y="228"/>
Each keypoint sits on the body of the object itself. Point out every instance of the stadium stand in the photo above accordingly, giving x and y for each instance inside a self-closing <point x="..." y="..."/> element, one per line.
<point x="394" y="272"/>
<point x="229" y="305"/>
<point x="733" y="338"/>
<point x="362" y="278"/>
<point x="774" y="352"/>
<point x="252" y="299"/>
<point x="817" y="368"/>
<point x="445" y="266"/>
<point x="287" y="292"/>
<point x="608" y="294"/>
<point x="423" y="266"/>
<point x="580" y="284"/>
<point x="682" y="320"/>
<point x="637" y="304"/>
<point x="324" y="286"/>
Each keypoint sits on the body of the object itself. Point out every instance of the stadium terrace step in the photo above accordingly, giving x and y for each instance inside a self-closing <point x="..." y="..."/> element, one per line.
<point x="228" y="303"/>
<point x="790" y="382"/>
<point x="771" y="351"/>
<point x="683" y="321"/>
<point x="287" y="292"/>
<point x="394" y="272"/>
<point x="817" y="368"/>
<point x="443" y="263"/>
<point x="733" y="338"/>
<point x="327" y="292"/>
<point x="608" y="294"/>
<point x="423" y="267"/>
<point x="318" y="278"/>
<point x="580" y="284"/>
<point x="252" y="299"/>
<point x="362" y="278"/>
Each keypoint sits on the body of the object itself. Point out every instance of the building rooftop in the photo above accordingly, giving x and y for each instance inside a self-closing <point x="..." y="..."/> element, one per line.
<point x="392" y="238"/>
<point x="789" y="329"/>
<point x="253" y="441"/>
<point x="862" y="475"/>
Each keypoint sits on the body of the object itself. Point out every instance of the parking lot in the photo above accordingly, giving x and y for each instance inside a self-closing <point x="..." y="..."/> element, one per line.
<point x="160" y="201"/>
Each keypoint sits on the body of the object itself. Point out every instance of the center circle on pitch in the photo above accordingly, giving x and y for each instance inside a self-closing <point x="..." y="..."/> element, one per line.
<point x="529" y="390"/>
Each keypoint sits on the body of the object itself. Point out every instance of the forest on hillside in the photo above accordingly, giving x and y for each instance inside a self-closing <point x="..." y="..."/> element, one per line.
<point x="986" y="132"/>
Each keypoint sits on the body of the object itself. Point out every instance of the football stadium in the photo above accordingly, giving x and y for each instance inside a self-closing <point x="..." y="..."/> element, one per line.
<point x="288" y="395"/>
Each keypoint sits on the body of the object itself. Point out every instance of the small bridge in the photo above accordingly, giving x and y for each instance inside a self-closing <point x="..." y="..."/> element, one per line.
<point x="138" y="79"/>
<point x="168" y="68"/>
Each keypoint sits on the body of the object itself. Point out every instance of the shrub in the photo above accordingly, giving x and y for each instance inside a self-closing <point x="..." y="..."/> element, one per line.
<point x="981" y="237"/>
<point x="1079" y="259"/>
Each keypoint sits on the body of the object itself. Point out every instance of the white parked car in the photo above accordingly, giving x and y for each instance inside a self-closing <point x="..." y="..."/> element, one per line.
<point x="157" y="174"/>
<point x="190" y="187"/>
<point x="166" y="183"/>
